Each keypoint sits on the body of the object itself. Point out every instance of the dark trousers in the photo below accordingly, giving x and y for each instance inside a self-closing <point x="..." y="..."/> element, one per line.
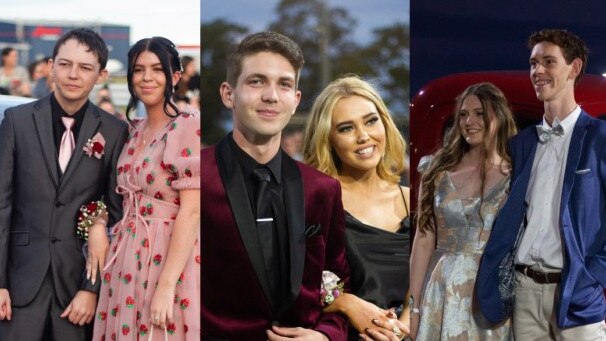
<point x="40" y="319"/>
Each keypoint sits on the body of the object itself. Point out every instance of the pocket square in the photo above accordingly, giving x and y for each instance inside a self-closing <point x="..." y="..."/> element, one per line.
<point x="313" y="230"/>
<point x="583" y="171"/>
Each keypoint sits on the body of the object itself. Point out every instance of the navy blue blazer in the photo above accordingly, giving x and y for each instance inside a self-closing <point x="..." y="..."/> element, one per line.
<point x="580" y="297"/>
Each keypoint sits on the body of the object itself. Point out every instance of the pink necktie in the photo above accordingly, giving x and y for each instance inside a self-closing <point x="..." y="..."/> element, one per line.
<point x="67" y="143"/>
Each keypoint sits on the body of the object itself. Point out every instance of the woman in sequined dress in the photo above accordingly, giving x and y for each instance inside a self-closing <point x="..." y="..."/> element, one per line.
<point x="463" y="186"/>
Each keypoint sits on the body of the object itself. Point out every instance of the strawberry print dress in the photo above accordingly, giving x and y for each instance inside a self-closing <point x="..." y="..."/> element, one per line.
<point x="149" y="179"/>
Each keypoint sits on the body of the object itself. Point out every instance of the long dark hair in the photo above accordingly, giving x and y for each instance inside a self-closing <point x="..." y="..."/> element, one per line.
<point x="169" y="58"/>
<point x="447" y="157"/>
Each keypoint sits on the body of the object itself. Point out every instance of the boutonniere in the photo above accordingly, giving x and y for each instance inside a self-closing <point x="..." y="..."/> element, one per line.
<point x="95" y="146"/>
<point x="330" y="288"/>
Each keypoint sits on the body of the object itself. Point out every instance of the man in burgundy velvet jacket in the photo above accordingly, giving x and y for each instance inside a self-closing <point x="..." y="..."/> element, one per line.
<point x="261" y="272"/>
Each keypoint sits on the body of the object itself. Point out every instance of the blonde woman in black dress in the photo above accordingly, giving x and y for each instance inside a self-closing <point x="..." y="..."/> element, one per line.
<point x="351" y="136"/>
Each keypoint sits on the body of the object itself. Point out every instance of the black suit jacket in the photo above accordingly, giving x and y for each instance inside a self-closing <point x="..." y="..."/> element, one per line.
<point x="38" y="209"/>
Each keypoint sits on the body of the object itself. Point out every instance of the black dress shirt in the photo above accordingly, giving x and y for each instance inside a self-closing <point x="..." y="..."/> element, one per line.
<point x="58" y="127"/>
<point x="280" y="249"/>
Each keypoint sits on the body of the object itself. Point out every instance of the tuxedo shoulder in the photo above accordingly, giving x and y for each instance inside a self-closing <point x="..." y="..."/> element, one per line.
<point x="313" y="175"/>
<point x="532" y="129"/>
<point x="598" y="124"/>
<point x="208" y="153"/>
<point x="523" y="135"/>
<point x="111" y="119"/>
<point x="24" y="108"/>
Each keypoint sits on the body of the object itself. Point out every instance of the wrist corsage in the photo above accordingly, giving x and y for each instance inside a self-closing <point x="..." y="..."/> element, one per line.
<point x="88" y="216"/>
<point x="331" y="288"/>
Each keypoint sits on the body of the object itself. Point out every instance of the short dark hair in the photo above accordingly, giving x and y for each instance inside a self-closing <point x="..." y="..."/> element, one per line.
<point x="6" y="51"/>
<point x="264" y="42"/>
<point x="88" y="38"/>
<point x="169" y="58"/>
<point x="186" y="60"/>
<point x="571" y="45"/>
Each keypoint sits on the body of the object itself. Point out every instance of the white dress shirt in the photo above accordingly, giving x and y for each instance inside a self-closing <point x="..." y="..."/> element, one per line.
<point x="541" y="244"/>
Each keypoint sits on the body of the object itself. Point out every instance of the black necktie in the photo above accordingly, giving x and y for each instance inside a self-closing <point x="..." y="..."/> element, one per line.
<point x="265" y="222"/>
<point x="262" y="178"/>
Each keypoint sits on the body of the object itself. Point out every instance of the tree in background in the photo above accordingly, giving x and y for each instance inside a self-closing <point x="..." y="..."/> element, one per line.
<point x="389" y="58"/>
<point x="218" y="37"/>
<point x="325" y="36"/>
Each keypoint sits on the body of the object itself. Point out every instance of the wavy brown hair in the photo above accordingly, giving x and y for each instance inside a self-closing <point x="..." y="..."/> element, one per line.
<point x="317" y="150"/>
<point x="455" y="146"/>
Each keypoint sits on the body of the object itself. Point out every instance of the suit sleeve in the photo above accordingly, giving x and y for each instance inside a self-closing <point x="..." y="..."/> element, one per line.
<point x="7" y="152"/>
<point x="335" y="325"/>
<point x="596" y="264"/>
<point x="112" y="199"/>
<point x="113" y="202"/>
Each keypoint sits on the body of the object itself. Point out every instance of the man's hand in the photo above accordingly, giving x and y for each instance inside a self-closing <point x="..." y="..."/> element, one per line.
<point x="98" y="245"/>
<point x="5" y="305"/>
<point x="81" y="309"/>
<point x="298" y="333"/>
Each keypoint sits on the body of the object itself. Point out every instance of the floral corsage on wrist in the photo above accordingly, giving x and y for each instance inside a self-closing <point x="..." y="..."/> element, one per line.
<point x="331" y="288"/>
<point x="89" y="214"/>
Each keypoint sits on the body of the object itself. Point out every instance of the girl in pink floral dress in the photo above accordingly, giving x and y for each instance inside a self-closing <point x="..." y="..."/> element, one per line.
<point x="150" y="286"/>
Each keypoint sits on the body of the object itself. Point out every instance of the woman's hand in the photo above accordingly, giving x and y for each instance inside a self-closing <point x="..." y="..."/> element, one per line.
<point x="391" y="329"/>
<point x="161" y="308"/>
<point x="98" y="245"/>
<point x="359" y="312"/>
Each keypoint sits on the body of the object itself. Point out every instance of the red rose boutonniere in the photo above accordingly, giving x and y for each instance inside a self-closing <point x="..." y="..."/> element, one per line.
<point x="95" y="146"/>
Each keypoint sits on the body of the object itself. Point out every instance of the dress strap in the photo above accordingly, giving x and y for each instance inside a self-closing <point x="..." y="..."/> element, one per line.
<point x="404" y="199"/>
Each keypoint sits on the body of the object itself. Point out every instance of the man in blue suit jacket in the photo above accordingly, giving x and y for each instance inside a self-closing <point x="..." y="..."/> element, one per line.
<point x="554" y="221"/>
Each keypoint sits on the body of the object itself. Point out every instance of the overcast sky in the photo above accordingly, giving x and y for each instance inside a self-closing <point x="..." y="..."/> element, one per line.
<point x="177" y="20"/>
<point x="256" y="15"/>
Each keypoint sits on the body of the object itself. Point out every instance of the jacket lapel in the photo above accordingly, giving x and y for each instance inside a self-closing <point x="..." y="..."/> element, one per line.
<point x="89" y="126"/>
<point x="294" y="202"/>
<point x="520" y="185"/>
<point x="235" y="189"/>
<point x="574" y="155"/>
<point x="42" y="117"/>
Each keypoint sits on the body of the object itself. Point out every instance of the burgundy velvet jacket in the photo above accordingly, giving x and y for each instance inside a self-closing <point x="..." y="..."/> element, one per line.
<point x="235" y="303"/>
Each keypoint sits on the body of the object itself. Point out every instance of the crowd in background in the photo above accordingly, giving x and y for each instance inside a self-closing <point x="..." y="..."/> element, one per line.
<point x="34" y="81"/>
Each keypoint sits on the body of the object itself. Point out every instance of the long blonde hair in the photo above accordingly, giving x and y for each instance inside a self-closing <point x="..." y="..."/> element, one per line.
<point x="317" y="151"/>
<point x="447" y="157"/>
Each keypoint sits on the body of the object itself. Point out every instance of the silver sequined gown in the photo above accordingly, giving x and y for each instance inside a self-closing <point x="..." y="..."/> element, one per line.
<point x="447" y="307"/>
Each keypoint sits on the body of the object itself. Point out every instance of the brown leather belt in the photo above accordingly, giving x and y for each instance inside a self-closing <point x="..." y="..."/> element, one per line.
<point x="538" y="276"/>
